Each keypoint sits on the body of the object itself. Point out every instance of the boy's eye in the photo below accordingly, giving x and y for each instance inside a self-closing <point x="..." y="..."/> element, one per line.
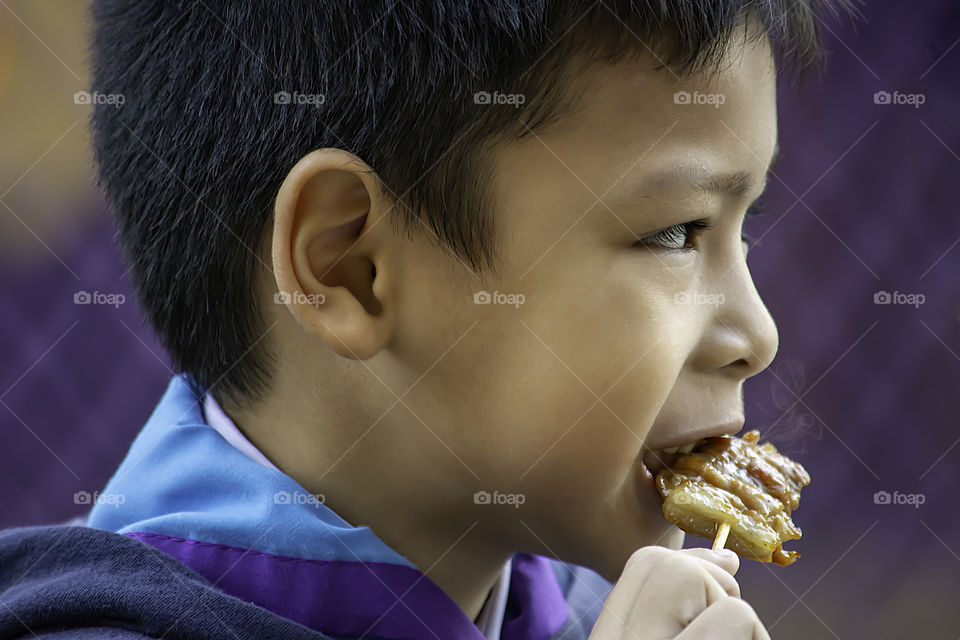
<point x="681" y="236"/>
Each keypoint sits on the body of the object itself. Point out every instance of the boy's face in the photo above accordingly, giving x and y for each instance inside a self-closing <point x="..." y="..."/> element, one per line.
<point x="619" y="344"/>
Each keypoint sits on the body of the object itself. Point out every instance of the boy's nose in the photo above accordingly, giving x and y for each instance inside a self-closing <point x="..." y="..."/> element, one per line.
<point x="744" y="336"/>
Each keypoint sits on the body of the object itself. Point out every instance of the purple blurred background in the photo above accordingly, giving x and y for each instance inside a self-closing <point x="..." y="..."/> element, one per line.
<point x="864" y="201"/>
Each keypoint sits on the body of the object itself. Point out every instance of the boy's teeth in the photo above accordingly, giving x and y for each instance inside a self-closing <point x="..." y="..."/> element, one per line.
<point x="687" y="448"/>
<point x="671" y="450"/>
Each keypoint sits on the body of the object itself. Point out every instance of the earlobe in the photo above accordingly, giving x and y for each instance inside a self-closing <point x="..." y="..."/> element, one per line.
<point x="327" y="252"/>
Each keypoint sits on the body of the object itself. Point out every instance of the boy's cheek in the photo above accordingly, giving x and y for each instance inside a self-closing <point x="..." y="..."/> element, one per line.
<point x="532" y="407"/>
<point x="580" y="457"/>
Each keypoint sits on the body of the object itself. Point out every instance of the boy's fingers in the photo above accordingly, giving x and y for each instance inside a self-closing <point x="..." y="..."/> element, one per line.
<point x="721" y="571"/>
<point x="642" y="564"/>
<point x="727" y="619"/>
<point x="725" y="558"/>
<point x="675" y="586"/>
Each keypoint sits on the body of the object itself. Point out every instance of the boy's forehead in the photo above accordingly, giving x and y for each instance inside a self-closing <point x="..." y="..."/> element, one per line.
<point x="656" y="132"/>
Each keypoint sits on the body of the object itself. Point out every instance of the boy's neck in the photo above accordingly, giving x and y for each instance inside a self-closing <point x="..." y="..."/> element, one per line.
<point x="448" y="548"/>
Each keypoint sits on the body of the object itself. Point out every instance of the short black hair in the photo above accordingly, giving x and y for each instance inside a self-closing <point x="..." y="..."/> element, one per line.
<point x="222" y="97"/>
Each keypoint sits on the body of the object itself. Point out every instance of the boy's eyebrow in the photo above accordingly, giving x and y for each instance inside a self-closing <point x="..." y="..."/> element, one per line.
<point x="737" y="185"/>
<point x="734" y="185"/>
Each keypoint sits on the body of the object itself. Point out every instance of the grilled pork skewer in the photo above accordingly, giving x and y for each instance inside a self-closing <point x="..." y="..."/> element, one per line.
<point x="738" y="492"/>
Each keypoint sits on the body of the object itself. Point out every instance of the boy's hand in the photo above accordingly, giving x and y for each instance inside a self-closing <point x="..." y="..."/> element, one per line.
<point x="687" y="595"/>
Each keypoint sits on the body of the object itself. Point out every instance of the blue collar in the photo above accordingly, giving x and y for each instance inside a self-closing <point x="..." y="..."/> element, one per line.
<point x="257" y="534"/>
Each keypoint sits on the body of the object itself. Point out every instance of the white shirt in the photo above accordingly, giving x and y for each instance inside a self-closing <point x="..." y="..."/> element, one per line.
<point x="490" y="619"/>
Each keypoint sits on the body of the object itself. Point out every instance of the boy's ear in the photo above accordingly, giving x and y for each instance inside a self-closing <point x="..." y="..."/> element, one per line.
<point x="331" y="254"/>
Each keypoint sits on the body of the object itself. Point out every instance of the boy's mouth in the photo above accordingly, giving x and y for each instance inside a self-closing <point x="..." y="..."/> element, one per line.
<point x="657" y="460"/>
<point x="653" y="462"/>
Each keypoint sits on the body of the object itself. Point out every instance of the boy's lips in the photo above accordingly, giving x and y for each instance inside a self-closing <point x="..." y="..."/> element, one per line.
<point x="655" y="460"/>
<point x="659" y="455"/>
<point x="663" y="454"/>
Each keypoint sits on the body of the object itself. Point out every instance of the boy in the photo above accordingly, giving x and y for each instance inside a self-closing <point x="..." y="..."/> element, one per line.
<point x="440" y="282"/>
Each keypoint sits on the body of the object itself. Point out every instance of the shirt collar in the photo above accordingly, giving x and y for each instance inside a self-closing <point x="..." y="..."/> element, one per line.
<point x="223" y="425"/>
<point x="490" y="619"/>
<point x="257" y="534"/>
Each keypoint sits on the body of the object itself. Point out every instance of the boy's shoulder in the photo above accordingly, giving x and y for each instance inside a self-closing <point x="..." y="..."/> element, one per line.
<point x="64" y="581"/>
<point x="68" y="581"/>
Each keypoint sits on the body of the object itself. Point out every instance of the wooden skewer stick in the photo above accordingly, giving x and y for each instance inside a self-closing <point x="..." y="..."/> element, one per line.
<point x="721" y="539"/>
